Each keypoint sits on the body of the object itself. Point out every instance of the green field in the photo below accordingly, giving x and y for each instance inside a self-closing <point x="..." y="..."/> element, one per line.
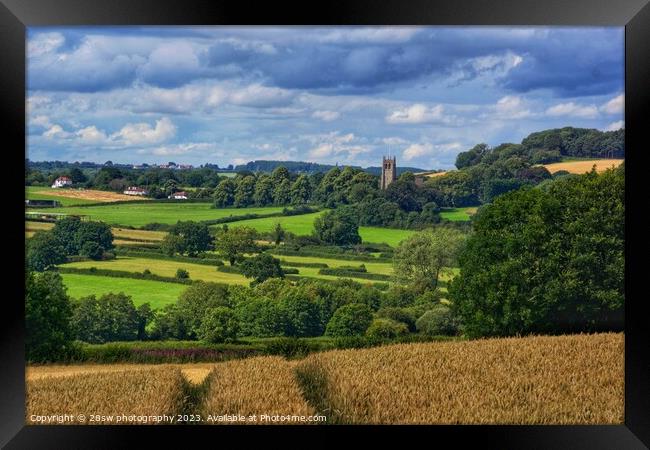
<point x="378" y="235"/>
<point x="300" y="225"/>
<point x="157" y="293"/>
<point x="458" y="214"/>
<point x="139" y="214"/>
<point x="163" y="267"/>
<point x="41" y="193"/>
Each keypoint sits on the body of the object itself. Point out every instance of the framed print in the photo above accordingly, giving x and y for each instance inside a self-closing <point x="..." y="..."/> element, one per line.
<point x="368" y="217"/>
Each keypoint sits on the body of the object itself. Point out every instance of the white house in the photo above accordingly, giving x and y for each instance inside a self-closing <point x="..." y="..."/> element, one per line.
<point x="134" y="190"/>
<point x="181" y="195"/>
<point x="62" y="181"/>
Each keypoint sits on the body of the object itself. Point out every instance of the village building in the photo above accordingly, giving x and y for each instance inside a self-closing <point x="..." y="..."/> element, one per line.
<point x="134" y="190"/>
<point x="181" y="195"/>
<point x="62" y="182"/>
<point x="388" y="171"/>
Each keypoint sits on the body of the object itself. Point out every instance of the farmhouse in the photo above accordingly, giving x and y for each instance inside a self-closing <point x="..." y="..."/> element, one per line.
<point x="62" y="181"/>
<point x="134" y="190"/>
<point x="181" y="195"/>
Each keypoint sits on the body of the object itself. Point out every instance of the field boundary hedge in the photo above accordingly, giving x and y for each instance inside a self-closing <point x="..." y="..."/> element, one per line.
<point x="121" y="251"/>
<point x="123" y="274"/>
<point x="355" y="274"/>
<point x="341" y="256"/>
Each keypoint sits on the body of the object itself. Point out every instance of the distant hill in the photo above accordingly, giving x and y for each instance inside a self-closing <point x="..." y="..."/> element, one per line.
<point x="310" y="167"/>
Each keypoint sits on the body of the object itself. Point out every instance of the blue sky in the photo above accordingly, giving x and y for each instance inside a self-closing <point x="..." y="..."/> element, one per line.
<point x="342" y="95"/>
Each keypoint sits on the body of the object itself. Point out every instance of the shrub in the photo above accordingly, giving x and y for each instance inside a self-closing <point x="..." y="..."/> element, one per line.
<point x="386" y="329"/>
<point x="437" y="321"/>
<point x="182" y="274"/>
<point x="289" y="347"/>
<point x="350" y="320"/>
<point x="398" y="315"/>
<point x="219" y="325"/>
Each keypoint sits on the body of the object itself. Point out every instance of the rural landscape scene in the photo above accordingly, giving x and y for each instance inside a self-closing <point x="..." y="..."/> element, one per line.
<point x="324" y="225"/>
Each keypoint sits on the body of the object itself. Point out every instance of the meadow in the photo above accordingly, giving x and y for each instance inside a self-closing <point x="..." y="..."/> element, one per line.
<point x="571" y="379"/>
<point x="156" y="293"/>
<point x="139" y="214"/>
<point x="125" y="234"/>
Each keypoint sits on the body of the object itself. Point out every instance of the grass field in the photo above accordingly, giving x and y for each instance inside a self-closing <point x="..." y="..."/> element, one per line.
<point x="142" y="235"/>
<point x="156" y="293"/>
<point x="583" y="166"/>
<point x="140" y="214"/>
<point x="163" y="267"/>
<point x="458" y="214"/>
<point x="300" y="225"/>
<point x="72" y="197"/>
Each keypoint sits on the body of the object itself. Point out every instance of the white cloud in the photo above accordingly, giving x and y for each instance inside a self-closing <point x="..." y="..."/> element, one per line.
<point x="326" y="116"/>
<point x="615" y="125"/>
<point x="260" y="96"/>
<point x="512" y="107"/>
<point x="179" y="149"/>
<point x="335" y="144"/>
<point x="144" y="133"/>
<point x="44" y="43"/>
<point x="419" y="150"/>
<point x="370" y="34"/>
<point x="573" y="110"/>
<point x="417" y="113"/>
<point x="91" y="135"/>
<point x="56" y="131"/>
<point x="41" y="121"/>
<point x="416" y="151"/>
<point x="615" y="105"/>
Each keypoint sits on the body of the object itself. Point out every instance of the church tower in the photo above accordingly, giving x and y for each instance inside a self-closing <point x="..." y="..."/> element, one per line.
<point x="388" y="171"/>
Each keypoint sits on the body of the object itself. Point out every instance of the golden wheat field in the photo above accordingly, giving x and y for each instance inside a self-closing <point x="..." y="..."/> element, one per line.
<point x="138" y="394"/>
<point x="576" y="379"/>
<point x="255" y="386"/>
<point x="580" y="167"/>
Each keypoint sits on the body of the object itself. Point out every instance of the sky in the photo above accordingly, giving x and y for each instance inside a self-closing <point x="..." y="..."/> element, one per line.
<point x="346" y="95"/>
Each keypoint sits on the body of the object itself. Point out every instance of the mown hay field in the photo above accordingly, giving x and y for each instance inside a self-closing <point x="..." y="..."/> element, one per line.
<point x="257" y="386"/>
<point x="139" y="214"/>
<point x="72" y="197"/>
<point x="138" y="393"/>
<point x="583" y="166"/>
<point x="576" y="379"/>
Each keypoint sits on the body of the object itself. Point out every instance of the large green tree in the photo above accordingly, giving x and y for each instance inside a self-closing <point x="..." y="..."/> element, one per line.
<point x="189" y="238"/>
<point x="262" y="267"/>
<point x="44" y="251"/>
<point x="422" y="257"/>
<point x="49" y="333"/>
<point x="111" y="317"/>
<point x="338" y="227"/>
<point x="546" y="260"/>
<point x="233" y="243"/>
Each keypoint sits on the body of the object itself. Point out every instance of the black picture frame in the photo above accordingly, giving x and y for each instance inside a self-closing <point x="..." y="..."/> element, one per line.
<point x="16" y="15"/>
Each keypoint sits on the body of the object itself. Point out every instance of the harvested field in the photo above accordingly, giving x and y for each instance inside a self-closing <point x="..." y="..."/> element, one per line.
<point x="140" y="393"/>
<point x="263" y="385"/>
<point x="576" y="379"/>
<point x="85" y="194"/>
<point x="580" y="167"/>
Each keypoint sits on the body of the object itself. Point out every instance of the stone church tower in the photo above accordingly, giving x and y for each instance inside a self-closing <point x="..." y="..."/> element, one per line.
<point x="388" y="171"/>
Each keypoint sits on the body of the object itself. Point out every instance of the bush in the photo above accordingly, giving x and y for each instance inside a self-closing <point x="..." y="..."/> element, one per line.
<point x="386" y="329"/>
<point x="350" y="320"/>
<point x="219" y="325"/>
<point x="398" y="315"/>
<point x="437" y="321"/>
<point x="289" y="347"/>
<point x="182" y="274"/>
<point x="340" y="272"/>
